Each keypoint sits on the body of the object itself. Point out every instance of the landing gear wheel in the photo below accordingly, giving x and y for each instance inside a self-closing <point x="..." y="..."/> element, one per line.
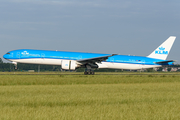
<point x="89" y="71"/>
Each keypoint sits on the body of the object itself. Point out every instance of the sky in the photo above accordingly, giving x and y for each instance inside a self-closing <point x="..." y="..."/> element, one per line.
<point x="127" y="27"/>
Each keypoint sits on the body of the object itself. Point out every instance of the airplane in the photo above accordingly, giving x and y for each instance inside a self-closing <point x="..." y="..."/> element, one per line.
<point x="91" y="61"/>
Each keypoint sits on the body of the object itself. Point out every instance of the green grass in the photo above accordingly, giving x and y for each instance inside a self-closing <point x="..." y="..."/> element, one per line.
<point x="80" y="97"/>
<point x="84" y="79"/>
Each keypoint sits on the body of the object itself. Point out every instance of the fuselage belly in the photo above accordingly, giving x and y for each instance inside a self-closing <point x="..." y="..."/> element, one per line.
<point x="110" y="65"/>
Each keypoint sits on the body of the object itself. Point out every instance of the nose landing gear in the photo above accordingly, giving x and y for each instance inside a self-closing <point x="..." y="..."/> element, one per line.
<point x="15" y="64"/>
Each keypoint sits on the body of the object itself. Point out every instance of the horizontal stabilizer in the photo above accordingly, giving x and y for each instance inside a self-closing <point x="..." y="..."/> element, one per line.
<point x="167" y="61"/>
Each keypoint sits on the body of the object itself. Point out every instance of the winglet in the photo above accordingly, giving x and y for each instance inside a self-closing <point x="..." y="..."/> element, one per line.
<point x="163" y="50"/>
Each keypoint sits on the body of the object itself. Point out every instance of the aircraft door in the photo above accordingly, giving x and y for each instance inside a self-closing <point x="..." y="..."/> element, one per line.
<point x="42" y="55"/>
<point x="143" y="63"/>
<point x="112" y="60"/>
<point x="80" y="57"/>
<point x="18" y="55"/>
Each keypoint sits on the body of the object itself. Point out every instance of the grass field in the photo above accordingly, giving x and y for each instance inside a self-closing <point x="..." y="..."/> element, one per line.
<point x="98" y="97"/>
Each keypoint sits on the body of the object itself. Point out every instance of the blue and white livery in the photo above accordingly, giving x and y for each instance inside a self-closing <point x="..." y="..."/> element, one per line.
<point x="74" y="60"/>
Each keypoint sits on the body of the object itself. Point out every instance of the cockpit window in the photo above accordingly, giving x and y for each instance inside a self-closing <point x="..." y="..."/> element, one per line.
<point x="8" y="53"/>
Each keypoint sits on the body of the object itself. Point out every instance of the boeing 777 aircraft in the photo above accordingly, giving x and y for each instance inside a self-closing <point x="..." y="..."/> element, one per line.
<point x="90" y="61"/>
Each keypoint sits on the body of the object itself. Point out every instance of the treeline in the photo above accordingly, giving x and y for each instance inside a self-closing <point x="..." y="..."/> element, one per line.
<point x="25" y="67"/>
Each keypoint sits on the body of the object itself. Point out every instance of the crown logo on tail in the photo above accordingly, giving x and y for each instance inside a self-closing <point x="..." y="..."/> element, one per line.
<point x="161" y="48"/>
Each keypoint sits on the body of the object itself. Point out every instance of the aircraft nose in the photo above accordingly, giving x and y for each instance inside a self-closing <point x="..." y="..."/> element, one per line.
<point x="6" y="56"/>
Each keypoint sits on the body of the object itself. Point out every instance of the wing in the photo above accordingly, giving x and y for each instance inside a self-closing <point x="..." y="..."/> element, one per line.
<point x="94" y="60"/>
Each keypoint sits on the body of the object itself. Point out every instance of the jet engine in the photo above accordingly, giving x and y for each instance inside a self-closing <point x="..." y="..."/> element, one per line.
<point x="68" y="64"/>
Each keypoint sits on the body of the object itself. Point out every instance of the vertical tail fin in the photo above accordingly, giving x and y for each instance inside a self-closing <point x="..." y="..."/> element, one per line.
<point x="163" y="50"/>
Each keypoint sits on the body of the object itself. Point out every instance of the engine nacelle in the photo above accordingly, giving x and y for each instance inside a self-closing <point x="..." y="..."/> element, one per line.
<point x="68" y="64"/>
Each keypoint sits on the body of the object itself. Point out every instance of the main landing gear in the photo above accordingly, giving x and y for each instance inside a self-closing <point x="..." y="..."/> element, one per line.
<point x="89" y="70"/>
